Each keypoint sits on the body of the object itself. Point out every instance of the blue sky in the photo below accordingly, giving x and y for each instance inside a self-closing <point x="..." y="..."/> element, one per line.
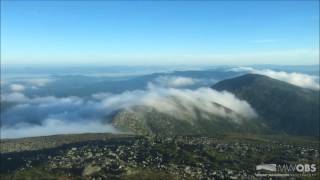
<point x="160" y="33"/>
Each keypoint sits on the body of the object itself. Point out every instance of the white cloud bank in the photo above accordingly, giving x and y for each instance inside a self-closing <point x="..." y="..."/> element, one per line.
<point x="181" y="101"/>
<point x="28" y="83"/>
<point x="53" y="127"/>
<point x="298" y="79"/>
<point x="174" y="81"/>
<point x="39" y="81"/>
<point x="51" y="115"/>
<point x="17" y="87"/>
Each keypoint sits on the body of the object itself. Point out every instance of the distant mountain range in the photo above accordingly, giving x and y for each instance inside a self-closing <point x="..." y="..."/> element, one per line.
<point x="281" y="107"/>
<point x="83" y="85"/>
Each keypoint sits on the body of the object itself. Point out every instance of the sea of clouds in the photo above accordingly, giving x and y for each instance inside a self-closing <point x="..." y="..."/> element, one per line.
<point x="38" y="116"/>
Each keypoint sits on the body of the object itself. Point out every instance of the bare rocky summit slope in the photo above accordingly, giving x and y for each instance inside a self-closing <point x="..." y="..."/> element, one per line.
<point x="107" y="156"/>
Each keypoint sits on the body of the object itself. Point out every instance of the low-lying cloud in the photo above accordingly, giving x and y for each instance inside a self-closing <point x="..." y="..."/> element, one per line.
<point x="17" y="87"/>
<point x="25" y="84"/>
<point x="55" y="126"/>
<point x="40" y="82"/>
<point x="298" y="79"/>
<point x="51" y="115"/>
<point x="174" y="81"/>
<point x="36" y="110"/>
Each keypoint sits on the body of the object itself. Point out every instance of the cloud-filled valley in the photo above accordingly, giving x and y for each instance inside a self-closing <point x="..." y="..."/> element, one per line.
<point x="26" y="114"/>
<point x="31" y="116"/>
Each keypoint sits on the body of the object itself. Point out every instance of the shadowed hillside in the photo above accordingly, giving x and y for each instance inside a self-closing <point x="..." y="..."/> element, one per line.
<point x="285" y="107"/>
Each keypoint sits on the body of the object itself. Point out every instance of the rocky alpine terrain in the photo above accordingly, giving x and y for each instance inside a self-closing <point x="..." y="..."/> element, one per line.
<point x="107" y="156"/>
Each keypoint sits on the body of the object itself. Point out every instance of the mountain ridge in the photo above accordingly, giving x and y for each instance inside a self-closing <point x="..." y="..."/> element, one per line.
<point x="285" y="107"/>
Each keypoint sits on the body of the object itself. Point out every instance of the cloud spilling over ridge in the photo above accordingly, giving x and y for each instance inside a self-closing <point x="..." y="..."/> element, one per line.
<point x="17" y="87"/>
<point x="181" y="101"/>
<point x="44" y="115"/>
<point x="298" y="79"/>
<point x="174" y="81"/>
